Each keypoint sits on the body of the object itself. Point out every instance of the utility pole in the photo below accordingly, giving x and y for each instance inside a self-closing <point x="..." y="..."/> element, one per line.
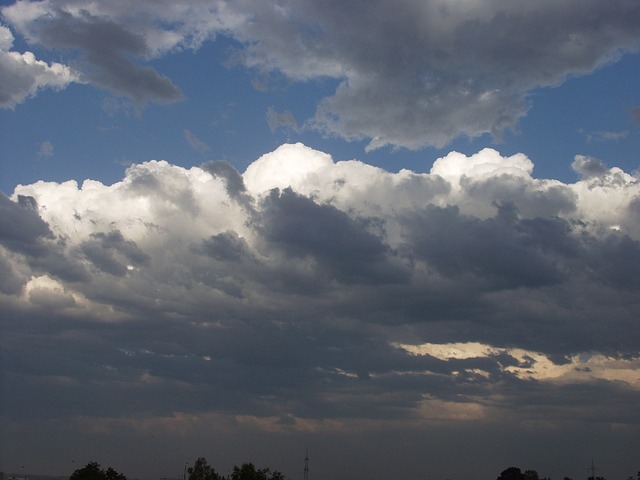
<point x="306" y="464"/>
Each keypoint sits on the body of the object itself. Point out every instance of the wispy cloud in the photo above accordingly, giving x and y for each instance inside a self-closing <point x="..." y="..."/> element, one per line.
<point x="46" y="149"/>
<point x="195" y="142"/>
<point x="285" y="120"/>
<point x="604" y="136"/>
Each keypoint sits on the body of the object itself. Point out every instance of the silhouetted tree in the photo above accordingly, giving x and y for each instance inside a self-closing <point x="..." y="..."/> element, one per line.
<point x="201" y="470"/>
<point x="530" y="475"/>
<point x="249" y="472"/>
<point x="512" y="473"/>
<point x="92" y="471"/>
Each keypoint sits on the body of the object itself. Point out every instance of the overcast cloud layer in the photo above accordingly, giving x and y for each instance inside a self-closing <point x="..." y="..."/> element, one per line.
<point x="410" y="73"/>
<point x="331" y="300"/>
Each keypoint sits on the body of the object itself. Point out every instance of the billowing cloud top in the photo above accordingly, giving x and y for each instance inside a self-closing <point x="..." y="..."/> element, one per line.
<point x="312" y="289"/>
<point x="411" y="72"/>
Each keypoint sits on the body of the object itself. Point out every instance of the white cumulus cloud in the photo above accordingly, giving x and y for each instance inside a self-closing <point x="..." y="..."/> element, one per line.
<point x="22" y="75"/>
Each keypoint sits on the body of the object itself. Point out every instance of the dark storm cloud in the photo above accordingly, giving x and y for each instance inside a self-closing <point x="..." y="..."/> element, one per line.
<point x="103" y="250"/>
<point x="10" y="281"/>
<point x="342" y="246"/>
<point x="23" y="231"/>
<point x="226" y="246"/>
<point x="21" y="228"/>
<point x="615" y="261"/>
<point x="505" y="251"/>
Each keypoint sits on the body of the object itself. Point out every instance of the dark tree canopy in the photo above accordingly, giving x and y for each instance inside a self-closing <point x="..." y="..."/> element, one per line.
<point x="511" y="473"/>
<point x="201" y="470"/>
<point x="249" y="472"/>
<point x="514" y="473"/>
<point x="92" y="471"/>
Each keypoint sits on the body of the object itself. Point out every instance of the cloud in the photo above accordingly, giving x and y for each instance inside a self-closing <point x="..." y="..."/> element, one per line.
<point x="284" y="120"/>
<point x="311" y="297"/>
<point x="46" y="149"/>
<point x="603" y="136"/>
<point x="21" y="228"/>
<point x="409" y="73"/>
<point x="106" y="47"/>
<point x="422" y="73"/>
<point x="195" y="142"/>
<point x="22" y="75"/>
<point x="588" y="166"/>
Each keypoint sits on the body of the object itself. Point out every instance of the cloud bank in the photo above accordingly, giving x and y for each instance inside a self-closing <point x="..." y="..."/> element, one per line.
<point x="410" y="73"/>
<point x="305" y="288"/>
<point x="312" y="297"/>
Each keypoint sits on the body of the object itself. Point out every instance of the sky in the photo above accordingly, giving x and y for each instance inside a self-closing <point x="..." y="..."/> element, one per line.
<point x="402" y="235"/>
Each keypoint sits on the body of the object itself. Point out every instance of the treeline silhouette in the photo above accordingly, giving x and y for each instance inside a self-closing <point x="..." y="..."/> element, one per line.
<point x="201" y="470"/>
<point x="514" y="473"/>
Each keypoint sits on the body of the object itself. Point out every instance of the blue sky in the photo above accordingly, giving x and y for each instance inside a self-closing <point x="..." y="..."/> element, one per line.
<point x="405" y="237"/>
<point x="221" y="105"/>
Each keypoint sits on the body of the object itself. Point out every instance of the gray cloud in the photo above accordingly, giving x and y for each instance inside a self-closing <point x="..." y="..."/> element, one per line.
<point x="506" y="251"/>
<point x="195" y="142"/>
<point x="106" y="47"/>
<point x="588" y="166"/>
<point x="22" y="75"/>
<point x="409" y="73"/>
<point x="350" y="302"/>
<point x="103" y="250"/>
<point x="21" y="228"/>
<point x="344" y="247"/>
<point x="232" y="178"/>
<point x="226" y="246"/>
<point x="284" y="120"/>
<point x="422" y="73"/>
